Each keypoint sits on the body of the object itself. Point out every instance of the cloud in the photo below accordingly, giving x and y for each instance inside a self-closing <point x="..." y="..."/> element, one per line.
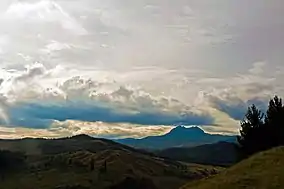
<point x="44" y="10"/>
<point x="242" y="91"/>
<point x="257" y="68"/>
<point x="96" y="129"/>
<point x="40" y="115"/>
<point x="110" y="130"/>
<point x="83" y="99"/>
<point x="86" y="100"/>
<point x="31" y="72"/>
<point x="163" y="61"/>
<point x="235" y="107"/>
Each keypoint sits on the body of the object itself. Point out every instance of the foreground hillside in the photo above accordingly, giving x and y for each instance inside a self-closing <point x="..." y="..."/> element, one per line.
<point x="262" y="171"/>
<point x="83" y="162"/>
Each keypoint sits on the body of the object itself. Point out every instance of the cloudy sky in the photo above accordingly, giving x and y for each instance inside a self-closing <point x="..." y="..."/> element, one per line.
<point x="125" y="68"/>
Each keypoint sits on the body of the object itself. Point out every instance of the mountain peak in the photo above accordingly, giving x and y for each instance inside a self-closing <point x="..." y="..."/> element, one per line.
<point x="179" y="136"/>
<point x="183" y="129"/>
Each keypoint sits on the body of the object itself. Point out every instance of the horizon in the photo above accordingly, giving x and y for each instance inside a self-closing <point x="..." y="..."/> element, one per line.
<point x="112" y="138"/>
<point x="120" y="69"/>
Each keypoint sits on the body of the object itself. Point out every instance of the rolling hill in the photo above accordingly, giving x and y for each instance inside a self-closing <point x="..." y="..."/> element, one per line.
<point x="261" y="171"/>
<point x="83" y="162"/>
<point x="178" y="137"/>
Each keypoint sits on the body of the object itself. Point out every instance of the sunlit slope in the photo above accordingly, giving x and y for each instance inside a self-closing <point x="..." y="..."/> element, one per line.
<point x="262" y="171"/>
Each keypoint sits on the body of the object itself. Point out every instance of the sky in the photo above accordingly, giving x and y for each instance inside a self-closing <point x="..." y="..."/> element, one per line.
<point x="124" y="68"/>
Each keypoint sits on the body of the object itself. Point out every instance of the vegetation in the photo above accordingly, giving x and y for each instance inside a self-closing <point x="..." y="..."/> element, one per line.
<point x="10" y="161"/>
<point x="261" y="131"/>
<point x="261" y="171"/>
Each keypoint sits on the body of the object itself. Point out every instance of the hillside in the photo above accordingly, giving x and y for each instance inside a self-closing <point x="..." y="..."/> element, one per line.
<point x="261" y="171"/>
<point x="54" y="146"/>
<point x="83" y="162"/>
<point x="209" y="154"/>
<point x="178" y="137"/>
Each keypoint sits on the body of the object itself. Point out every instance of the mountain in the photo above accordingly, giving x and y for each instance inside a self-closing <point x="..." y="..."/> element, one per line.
<point x="209" y="154"/>
<point x="83" y="162"/>
<point x="178" y="137"/>
<point x="261" y="171"/>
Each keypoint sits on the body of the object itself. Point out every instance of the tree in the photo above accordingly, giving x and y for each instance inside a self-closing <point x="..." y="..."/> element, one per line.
<point x="260" y="133"/>
<point x="274" y="121"/>
<point x="11" y="161"/>
<point x="251" y="131"/>
<point x="103" y="168"/>
<point x="92" y="164"/>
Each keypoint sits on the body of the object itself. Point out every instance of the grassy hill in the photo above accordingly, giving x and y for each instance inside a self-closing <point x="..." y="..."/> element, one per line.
<point x="261" y="171"/>
<point x="41" y="146"/>
<point x="83" y="162"/>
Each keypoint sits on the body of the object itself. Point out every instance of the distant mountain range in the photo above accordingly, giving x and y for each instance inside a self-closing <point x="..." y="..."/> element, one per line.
<point x="219" y="154"/>
<point x="178" y="137"/>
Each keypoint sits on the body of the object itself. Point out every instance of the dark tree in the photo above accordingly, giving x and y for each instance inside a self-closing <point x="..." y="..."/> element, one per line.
<point x="259" y="132"/>
<point x="92" y="164"/>
<point x="105" y="166"/>
<point x="252" y="126"/>
<point x="274" y="121"/>
<point x="11" y="161"/>
<point x="69" y="161"/>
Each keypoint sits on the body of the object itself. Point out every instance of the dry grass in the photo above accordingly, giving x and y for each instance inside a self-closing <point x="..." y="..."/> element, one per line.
<point x="261" y="171"/>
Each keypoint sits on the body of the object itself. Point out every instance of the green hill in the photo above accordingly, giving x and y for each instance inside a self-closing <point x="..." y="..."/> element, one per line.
<point x="261" y="171"/>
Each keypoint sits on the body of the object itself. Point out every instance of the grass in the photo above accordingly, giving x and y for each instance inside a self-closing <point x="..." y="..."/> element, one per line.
<point x="261" y="171"/>
<point x="120" y="165"/>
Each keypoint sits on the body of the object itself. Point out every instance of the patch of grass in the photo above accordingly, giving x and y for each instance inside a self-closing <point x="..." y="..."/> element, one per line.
<point x="261" y="171"/>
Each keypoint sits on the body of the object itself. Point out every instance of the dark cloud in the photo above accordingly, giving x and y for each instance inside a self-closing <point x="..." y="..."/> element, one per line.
<point x="31" y="73"/>
<point x="33" y="115"/>
<point x="236" y="109"/>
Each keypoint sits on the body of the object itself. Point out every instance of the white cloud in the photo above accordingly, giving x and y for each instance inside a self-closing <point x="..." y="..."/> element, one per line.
<point x="224" y="101"/>
<point x="100" y="129"/>
<point x="96" y="129"/>
<point x="55" y="46"/>
<point x="257" y="68"/>
<point x="43" y="10"/>
<point x="35" y="98"/>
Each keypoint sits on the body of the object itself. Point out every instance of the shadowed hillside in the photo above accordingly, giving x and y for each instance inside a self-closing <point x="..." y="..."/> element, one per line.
<point x="87" y="163"/>
<point x="261" y="171"/>
<point x="221" y="154"/>
<point x="54" y="146"/>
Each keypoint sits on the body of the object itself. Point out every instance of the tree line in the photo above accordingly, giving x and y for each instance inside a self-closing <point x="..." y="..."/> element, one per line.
<point x="262" y="130"/>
